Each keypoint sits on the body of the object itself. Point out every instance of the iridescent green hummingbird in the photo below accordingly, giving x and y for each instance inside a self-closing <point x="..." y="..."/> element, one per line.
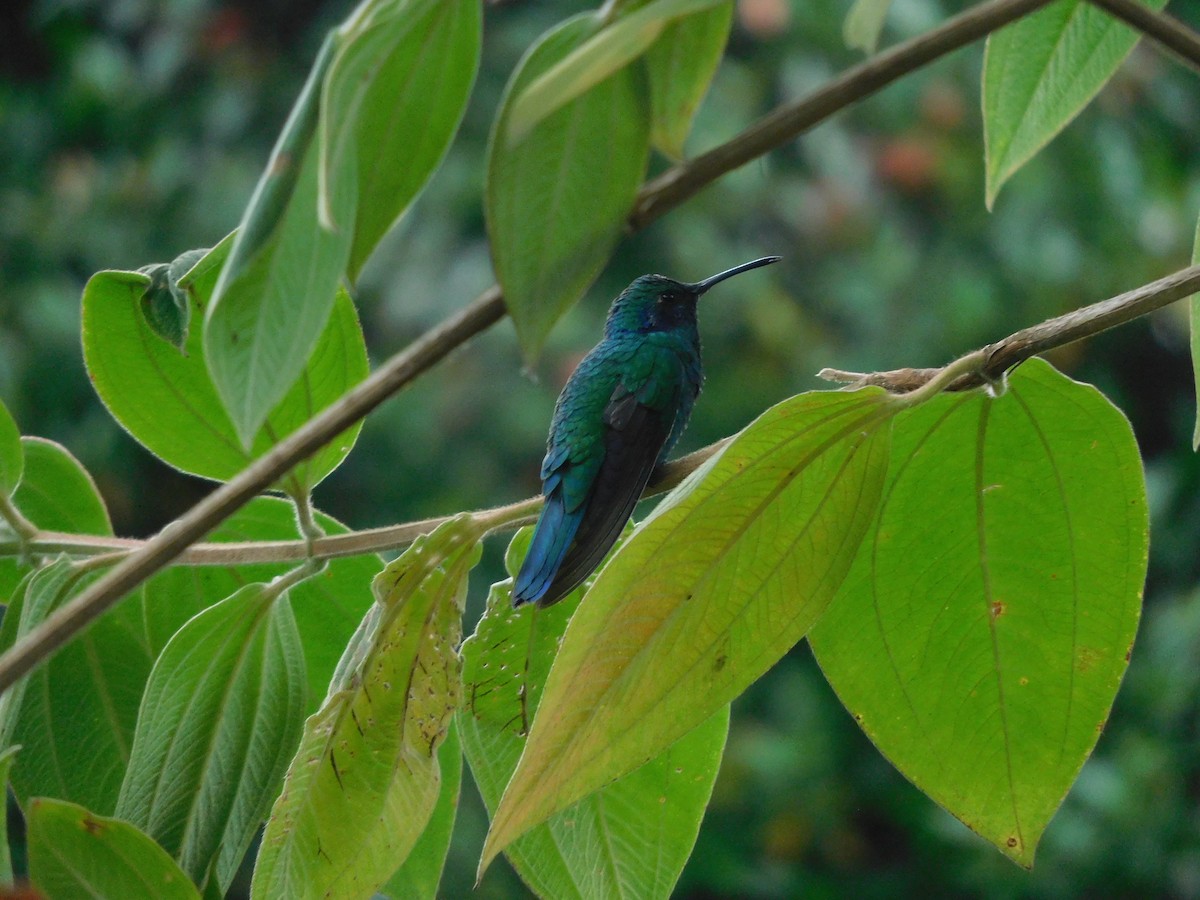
<point x="617" y="418"/>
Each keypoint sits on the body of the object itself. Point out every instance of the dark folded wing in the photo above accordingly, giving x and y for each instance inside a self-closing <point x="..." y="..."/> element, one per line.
<point x="633" y="441"/>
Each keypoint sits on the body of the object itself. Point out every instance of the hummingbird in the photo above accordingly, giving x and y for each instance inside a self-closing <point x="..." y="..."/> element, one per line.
<point x="618" y="416"/>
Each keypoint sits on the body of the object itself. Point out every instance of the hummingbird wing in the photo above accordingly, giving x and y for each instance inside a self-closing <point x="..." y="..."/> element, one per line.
<point x="634" y="436"/>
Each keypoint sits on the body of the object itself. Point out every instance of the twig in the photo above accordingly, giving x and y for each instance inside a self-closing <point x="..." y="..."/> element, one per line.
<point x="787" y="122"/>
<point x="1161" y="28"/>
<point x="998" y="358"/>
<point x="661" y="195"/>
<point x="101" y="550"/>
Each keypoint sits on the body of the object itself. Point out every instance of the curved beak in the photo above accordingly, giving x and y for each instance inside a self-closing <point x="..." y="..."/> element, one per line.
<point x="701" y="286"/>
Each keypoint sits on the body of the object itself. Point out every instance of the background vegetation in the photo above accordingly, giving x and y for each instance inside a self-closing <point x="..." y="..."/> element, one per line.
<point x="130" y="131"/>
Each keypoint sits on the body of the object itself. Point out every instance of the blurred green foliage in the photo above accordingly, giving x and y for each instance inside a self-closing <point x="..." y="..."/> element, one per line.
<point x="131" y="131"/>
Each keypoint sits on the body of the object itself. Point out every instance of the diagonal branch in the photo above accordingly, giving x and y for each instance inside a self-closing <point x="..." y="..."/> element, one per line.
<point x="662" y="195"/>
<point x="992" y="362"/>
<point x="998" y="358"/>
<point x="1161" y="28"/>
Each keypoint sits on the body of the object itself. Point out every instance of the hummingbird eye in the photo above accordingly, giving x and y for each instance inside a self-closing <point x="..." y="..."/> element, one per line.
<point x="669" y="296"/>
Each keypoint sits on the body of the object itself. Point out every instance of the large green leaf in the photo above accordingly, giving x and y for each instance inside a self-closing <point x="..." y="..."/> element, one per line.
<point x="79" y="710"/>
<point x="604" y="53"/>
<point x="1039" y="72"/>
<point x="219" y="722"/>
<point x="167" y="400"/>
<point x="275" y="293"/>
<point x="365" y="780"/>
<point x="394" y="97"/>
<point x="629" y="839"/>
<point x="680" y="66"/>
<point x="557" y="199"/>
<point x="421" y="873"/>
<point x="12" y="459"/>
<point x="56" y="493"/>
<point x="725" y="577"/>
<point x="74" y="853"/>
<point x="327" y="606"/>
<point x="7" y="757"/>
<point x="983" y="631"/>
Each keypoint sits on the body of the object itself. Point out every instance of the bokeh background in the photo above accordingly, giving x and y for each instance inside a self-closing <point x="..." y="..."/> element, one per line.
<point x="132" y="130"/>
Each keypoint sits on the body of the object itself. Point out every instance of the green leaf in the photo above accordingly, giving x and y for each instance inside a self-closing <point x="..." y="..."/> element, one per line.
<point x="604" y="53"/>
<point x="726" y="575"/>
<point x="220" y="719"/>
<point x="1039" y="73"/>
<point x="557" y="200"/>
<point x="1194" y="331"/>
<point x="275" y="294"/>
<point x="394" y="97"/>
<point x="421" y="873"/>
<point x="629" y="839"/>
<point x="12" y="459"/>
<point x="366" y="778"/>
<point x="983" y="631"/>
<point x="680" y="66"/>
<point x="57" y="494"/>
<point x="77" y="712"/>
<point x="167" y="401"/>
<point x="74" y="853"/>
<point x="52" y="580"/>
<point x="7" y="757"/>
<point x="863" y="24"/>
<point x="327" y="606"/>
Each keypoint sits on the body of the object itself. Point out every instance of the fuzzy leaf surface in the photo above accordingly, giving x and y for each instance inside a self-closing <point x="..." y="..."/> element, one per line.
<point x="725" y="576"/>
<point x="365" y="781"/>
<point x="984" y="629"/>
<point x="167" y="400"/>
<point x="631" y="838"/>
<point x="75" y="853"/>
<point x="557" y="199"/>
<point x="218" y="724"/>
<point x="1039" y="73"/>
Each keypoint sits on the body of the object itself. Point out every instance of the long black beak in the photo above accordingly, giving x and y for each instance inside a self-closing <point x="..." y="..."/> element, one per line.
<point x="701" y="286"/>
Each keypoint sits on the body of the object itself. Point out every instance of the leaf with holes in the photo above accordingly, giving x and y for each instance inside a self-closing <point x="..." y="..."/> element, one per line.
<point x="421" y="873"/>
<point x="629" y="839"/>
<point x="725" y="576"/>
<point x="982" y="633"/>
<point x="365" y="780"/>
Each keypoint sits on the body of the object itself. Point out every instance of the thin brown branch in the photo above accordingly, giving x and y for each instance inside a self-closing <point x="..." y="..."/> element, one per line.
<point x="508" y="517"/>
<point x="1166" y="31"/>
<point x="998" y="358"/>
<point x="789" y="121"/>
<point x="660" y="196"/>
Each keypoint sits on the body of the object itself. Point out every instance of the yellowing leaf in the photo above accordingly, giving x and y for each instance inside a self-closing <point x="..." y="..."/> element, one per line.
<point x="727" y="574"/>
<point x="366" y="777"/>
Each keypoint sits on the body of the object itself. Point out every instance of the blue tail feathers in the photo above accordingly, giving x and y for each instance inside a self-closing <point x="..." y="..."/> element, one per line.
<point x="552" y="537"/>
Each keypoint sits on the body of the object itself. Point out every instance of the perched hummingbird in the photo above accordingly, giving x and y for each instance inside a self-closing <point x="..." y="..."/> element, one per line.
<point x="617" y="418"/>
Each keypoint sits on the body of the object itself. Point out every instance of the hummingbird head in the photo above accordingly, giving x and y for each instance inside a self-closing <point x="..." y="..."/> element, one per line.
<point x="657" y="303"/>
